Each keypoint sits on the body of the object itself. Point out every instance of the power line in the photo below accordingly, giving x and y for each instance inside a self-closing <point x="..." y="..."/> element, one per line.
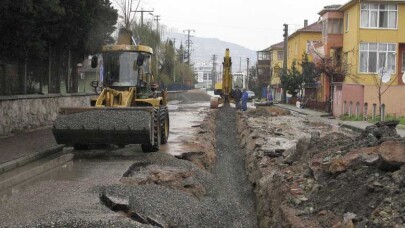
<point x="142" y="11"/>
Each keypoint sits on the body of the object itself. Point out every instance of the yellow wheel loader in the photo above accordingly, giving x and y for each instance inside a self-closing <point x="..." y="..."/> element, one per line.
<point x="129" y="110"/>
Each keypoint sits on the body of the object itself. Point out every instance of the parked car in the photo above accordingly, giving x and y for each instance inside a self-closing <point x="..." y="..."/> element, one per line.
<point x="251" y="95"/>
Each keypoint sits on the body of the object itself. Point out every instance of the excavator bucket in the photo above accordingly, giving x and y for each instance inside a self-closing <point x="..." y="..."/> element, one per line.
<point x="120" y="126"/>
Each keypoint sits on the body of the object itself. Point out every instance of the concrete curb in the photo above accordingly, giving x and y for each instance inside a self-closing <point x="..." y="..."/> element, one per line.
<point x="10" y="165"/>
<point x="28" y="174"/>
<point x="290" y="109"/>
<point x="353" y="128"/>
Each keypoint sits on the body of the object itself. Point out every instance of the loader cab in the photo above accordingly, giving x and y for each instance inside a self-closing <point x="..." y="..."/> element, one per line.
<point x="126" y="69"/>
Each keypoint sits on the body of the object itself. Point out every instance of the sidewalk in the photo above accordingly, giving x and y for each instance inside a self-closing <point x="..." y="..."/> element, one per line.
<point x="21" y="148"/>
<point x="323" y="116"/>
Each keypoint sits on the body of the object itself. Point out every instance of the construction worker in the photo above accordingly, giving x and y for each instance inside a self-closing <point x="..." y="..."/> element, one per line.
<point x="237" y="94"/>
<point x="245" y="97"/>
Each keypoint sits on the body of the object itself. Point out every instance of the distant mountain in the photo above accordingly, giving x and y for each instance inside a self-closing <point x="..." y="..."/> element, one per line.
<point x="204" y="48"/>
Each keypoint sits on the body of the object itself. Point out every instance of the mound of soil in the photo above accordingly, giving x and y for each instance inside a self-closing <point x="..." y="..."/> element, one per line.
<point x="326" y="179"/>
<point x="267" y="111"/>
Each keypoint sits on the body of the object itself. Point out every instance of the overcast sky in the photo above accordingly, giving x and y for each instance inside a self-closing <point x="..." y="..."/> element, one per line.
<point x="255" y="24"/>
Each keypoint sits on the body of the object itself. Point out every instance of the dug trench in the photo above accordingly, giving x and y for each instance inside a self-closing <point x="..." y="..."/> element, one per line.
<point x="206" y="186"/>
<point x="307" y="174"/>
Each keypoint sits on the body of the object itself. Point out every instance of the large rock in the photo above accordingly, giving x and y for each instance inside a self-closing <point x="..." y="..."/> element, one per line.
<point x="301" y="148"/>
<point x="362" y="156"/>
<point x="392" y="154"/>
<point x="381" y="130"/>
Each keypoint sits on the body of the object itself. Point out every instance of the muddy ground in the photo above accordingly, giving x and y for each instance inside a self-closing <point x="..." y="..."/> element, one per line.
<point x="308" y="174"/>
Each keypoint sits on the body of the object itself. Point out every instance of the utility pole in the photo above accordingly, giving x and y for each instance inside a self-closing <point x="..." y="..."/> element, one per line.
<point x="189" y="43"/>
<point x="285" y="35"/>
<point x="214" y="70"/>
<point x="142" y="11"/>
<point x="247" y="73"/>
<point x="174" y="64"/>
<point x="240" y="64"/>
<point x="157" y="19"/>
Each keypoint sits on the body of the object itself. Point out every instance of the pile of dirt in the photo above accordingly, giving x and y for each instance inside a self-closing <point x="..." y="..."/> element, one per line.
<point x="190" y="97"/>
<point x="356" y="181"/>
<point x="267" y="111"/>
<point x="325" y="179"/>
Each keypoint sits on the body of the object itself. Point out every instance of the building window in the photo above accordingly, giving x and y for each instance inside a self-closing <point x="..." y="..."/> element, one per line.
<point x="374" y="56"/>
<point x="347" y="22"/>
<point x="332" y="26"/>
<point x="280" y="55"/>
<point x="378" y="15"/>
<point x="335" y="26"/>
<point x="263" y="55"/>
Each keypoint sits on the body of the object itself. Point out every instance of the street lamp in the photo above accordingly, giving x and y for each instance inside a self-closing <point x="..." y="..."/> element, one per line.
<point x="247" y="73"/>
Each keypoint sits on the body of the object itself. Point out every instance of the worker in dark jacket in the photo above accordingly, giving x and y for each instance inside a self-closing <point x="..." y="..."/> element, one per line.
<point x="237" y="95"/>
<point x="245" y="97"/>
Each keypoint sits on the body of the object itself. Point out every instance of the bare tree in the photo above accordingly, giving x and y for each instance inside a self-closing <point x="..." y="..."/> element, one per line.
<point x="335" y="68"/>
<point x="379" y="81"/>
<point x="126" y="12"/>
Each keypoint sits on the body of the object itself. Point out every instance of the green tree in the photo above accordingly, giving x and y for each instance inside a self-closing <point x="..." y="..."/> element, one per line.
<point x="310" y="74"/>
<point x="181" y="53"/>
<point x="292" y="80"/>
<point x="168" y="61"/>
<point x="53" y="32"/>
<point x="253" y="80"/>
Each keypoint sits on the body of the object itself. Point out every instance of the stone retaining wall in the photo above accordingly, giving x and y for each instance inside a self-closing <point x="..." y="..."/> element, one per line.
<point x="19" y="113"/>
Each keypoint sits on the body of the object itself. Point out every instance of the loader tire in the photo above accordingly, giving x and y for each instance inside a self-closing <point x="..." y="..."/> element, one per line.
<point x="164" y="124"/>
<point x="156" y="134"/>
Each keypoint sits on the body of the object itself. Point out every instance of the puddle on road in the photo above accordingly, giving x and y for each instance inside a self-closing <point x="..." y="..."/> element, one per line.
<point x="182" y="121"/>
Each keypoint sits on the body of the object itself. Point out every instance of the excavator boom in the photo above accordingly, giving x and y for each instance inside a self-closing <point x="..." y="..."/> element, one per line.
<point x="224" y="88"/>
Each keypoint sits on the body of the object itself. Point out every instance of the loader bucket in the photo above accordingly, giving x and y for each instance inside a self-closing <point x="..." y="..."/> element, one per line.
<point x="119" y="126"/>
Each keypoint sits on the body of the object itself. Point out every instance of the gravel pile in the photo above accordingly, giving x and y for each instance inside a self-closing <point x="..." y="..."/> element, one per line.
<point x="106" y="120"/>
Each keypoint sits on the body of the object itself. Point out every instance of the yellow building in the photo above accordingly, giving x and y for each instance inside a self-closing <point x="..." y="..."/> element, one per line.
<point x="299" y="40"/>
<point x="297" y="46"/>
<point x="374" y="49"/>
<point x="276" y="64"/>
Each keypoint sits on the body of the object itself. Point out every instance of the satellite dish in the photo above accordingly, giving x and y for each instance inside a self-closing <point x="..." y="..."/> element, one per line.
<point x="386" y="77"/>
<point x="403" y="77"/>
